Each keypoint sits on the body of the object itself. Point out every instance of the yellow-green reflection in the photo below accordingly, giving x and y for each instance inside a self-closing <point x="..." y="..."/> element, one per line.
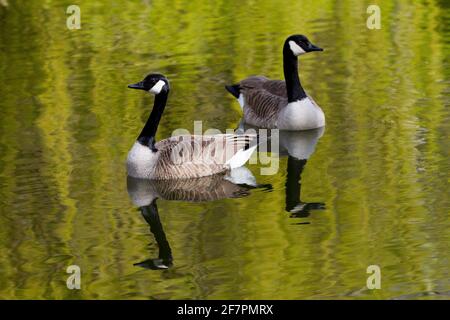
<point x="67" y="122"/>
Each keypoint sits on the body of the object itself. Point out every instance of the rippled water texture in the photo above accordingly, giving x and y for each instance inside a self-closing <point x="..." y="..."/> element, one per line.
<point x="374" y="192"/>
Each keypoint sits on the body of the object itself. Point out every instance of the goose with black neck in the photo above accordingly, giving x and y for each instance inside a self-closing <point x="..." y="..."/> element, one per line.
<point x="185" y="156"/>
<point x="280" y="104"/>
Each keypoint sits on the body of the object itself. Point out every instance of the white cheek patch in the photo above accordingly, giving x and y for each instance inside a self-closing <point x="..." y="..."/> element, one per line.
<point x="156" y="89"/>
<point x="295" y="48"/>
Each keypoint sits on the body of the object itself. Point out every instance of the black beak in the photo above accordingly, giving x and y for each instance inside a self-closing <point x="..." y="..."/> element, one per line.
<point x="139" y="85"/>
<point x="312" y="47"/>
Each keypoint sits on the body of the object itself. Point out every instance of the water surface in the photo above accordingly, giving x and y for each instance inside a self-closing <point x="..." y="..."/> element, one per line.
<point x="374" y="192"/>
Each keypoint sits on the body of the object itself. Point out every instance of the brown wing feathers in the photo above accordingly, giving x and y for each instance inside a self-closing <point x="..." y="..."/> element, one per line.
<point x="263" y="99"/>
<point x="197" y="155"/>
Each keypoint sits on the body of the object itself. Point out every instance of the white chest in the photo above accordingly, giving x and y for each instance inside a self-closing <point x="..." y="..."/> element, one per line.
<point x="301" y="115"/>
<point x="141" y="161"/>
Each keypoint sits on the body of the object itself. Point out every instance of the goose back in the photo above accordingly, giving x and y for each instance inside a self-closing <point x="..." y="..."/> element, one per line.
<point x="263" y="99"/>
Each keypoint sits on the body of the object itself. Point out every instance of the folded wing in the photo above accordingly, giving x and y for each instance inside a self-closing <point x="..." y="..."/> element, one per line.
<point x="192" y="156"/>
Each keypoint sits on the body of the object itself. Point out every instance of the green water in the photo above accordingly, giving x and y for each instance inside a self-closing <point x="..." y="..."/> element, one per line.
<point x="379" y="173"/>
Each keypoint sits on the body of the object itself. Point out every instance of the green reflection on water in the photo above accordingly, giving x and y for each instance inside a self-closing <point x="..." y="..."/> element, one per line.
<point x="67" y="122"/>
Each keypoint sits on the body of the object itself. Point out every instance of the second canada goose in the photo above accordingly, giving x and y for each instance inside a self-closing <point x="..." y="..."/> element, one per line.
<point x="280" y="104"/>
<point x="187" y="156"/>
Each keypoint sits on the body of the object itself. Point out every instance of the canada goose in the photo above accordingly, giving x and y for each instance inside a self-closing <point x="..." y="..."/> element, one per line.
<point x="188" y="156"/>
<point x="145" y="192"/>
<point x="276" y="103"/>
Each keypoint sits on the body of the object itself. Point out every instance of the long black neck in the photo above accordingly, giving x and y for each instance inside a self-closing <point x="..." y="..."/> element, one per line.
<point x="148" y="133"/>
<point x="290" y="66"/>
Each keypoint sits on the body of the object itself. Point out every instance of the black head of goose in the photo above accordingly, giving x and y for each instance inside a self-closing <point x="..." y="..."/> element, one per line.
<point x="158" y="85"/>
<point x="280" y="104"/>
<point x="186" y="156"/>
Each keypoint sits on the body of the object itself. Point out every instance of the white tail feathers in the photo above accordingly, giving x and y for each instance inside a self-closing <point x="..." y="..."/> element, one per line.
<point x="241" y="175"/>
<point x="240" y="158"/>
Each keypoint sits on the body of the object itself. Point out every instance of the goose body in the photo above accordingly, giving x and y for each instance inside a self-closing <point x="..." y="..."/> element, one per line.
<point x="280" y="104"/>
<point x="189" y="156"/>
<point x="186" y="156"/>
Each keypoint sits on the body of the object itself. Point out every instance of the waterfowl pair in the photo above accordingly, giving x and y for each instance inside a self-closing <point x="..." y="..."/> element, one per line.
<point x="266" y="103"/>
<point x="276" y="103"/>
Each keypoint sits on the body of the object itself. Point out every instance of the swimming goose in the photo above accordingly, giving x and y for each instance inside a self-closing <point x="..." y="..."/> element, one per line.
<point x="276" y="103"/>
<point x="186" y="156"/>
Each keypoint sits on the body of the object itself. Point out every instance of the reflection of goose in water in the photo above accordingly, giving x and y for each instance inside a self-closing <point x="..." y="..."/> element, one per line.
<point x="144" y="194"/>
<point x="294" y="204"/>
<point x="164" y="260"/>
<point x="298" y="146"/>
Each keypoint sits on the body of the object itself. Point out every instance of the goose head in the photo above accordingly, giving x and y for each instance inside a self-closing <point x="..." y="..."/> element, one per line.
<point x="154" y="83"/>
<point x="299" y="44"/>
